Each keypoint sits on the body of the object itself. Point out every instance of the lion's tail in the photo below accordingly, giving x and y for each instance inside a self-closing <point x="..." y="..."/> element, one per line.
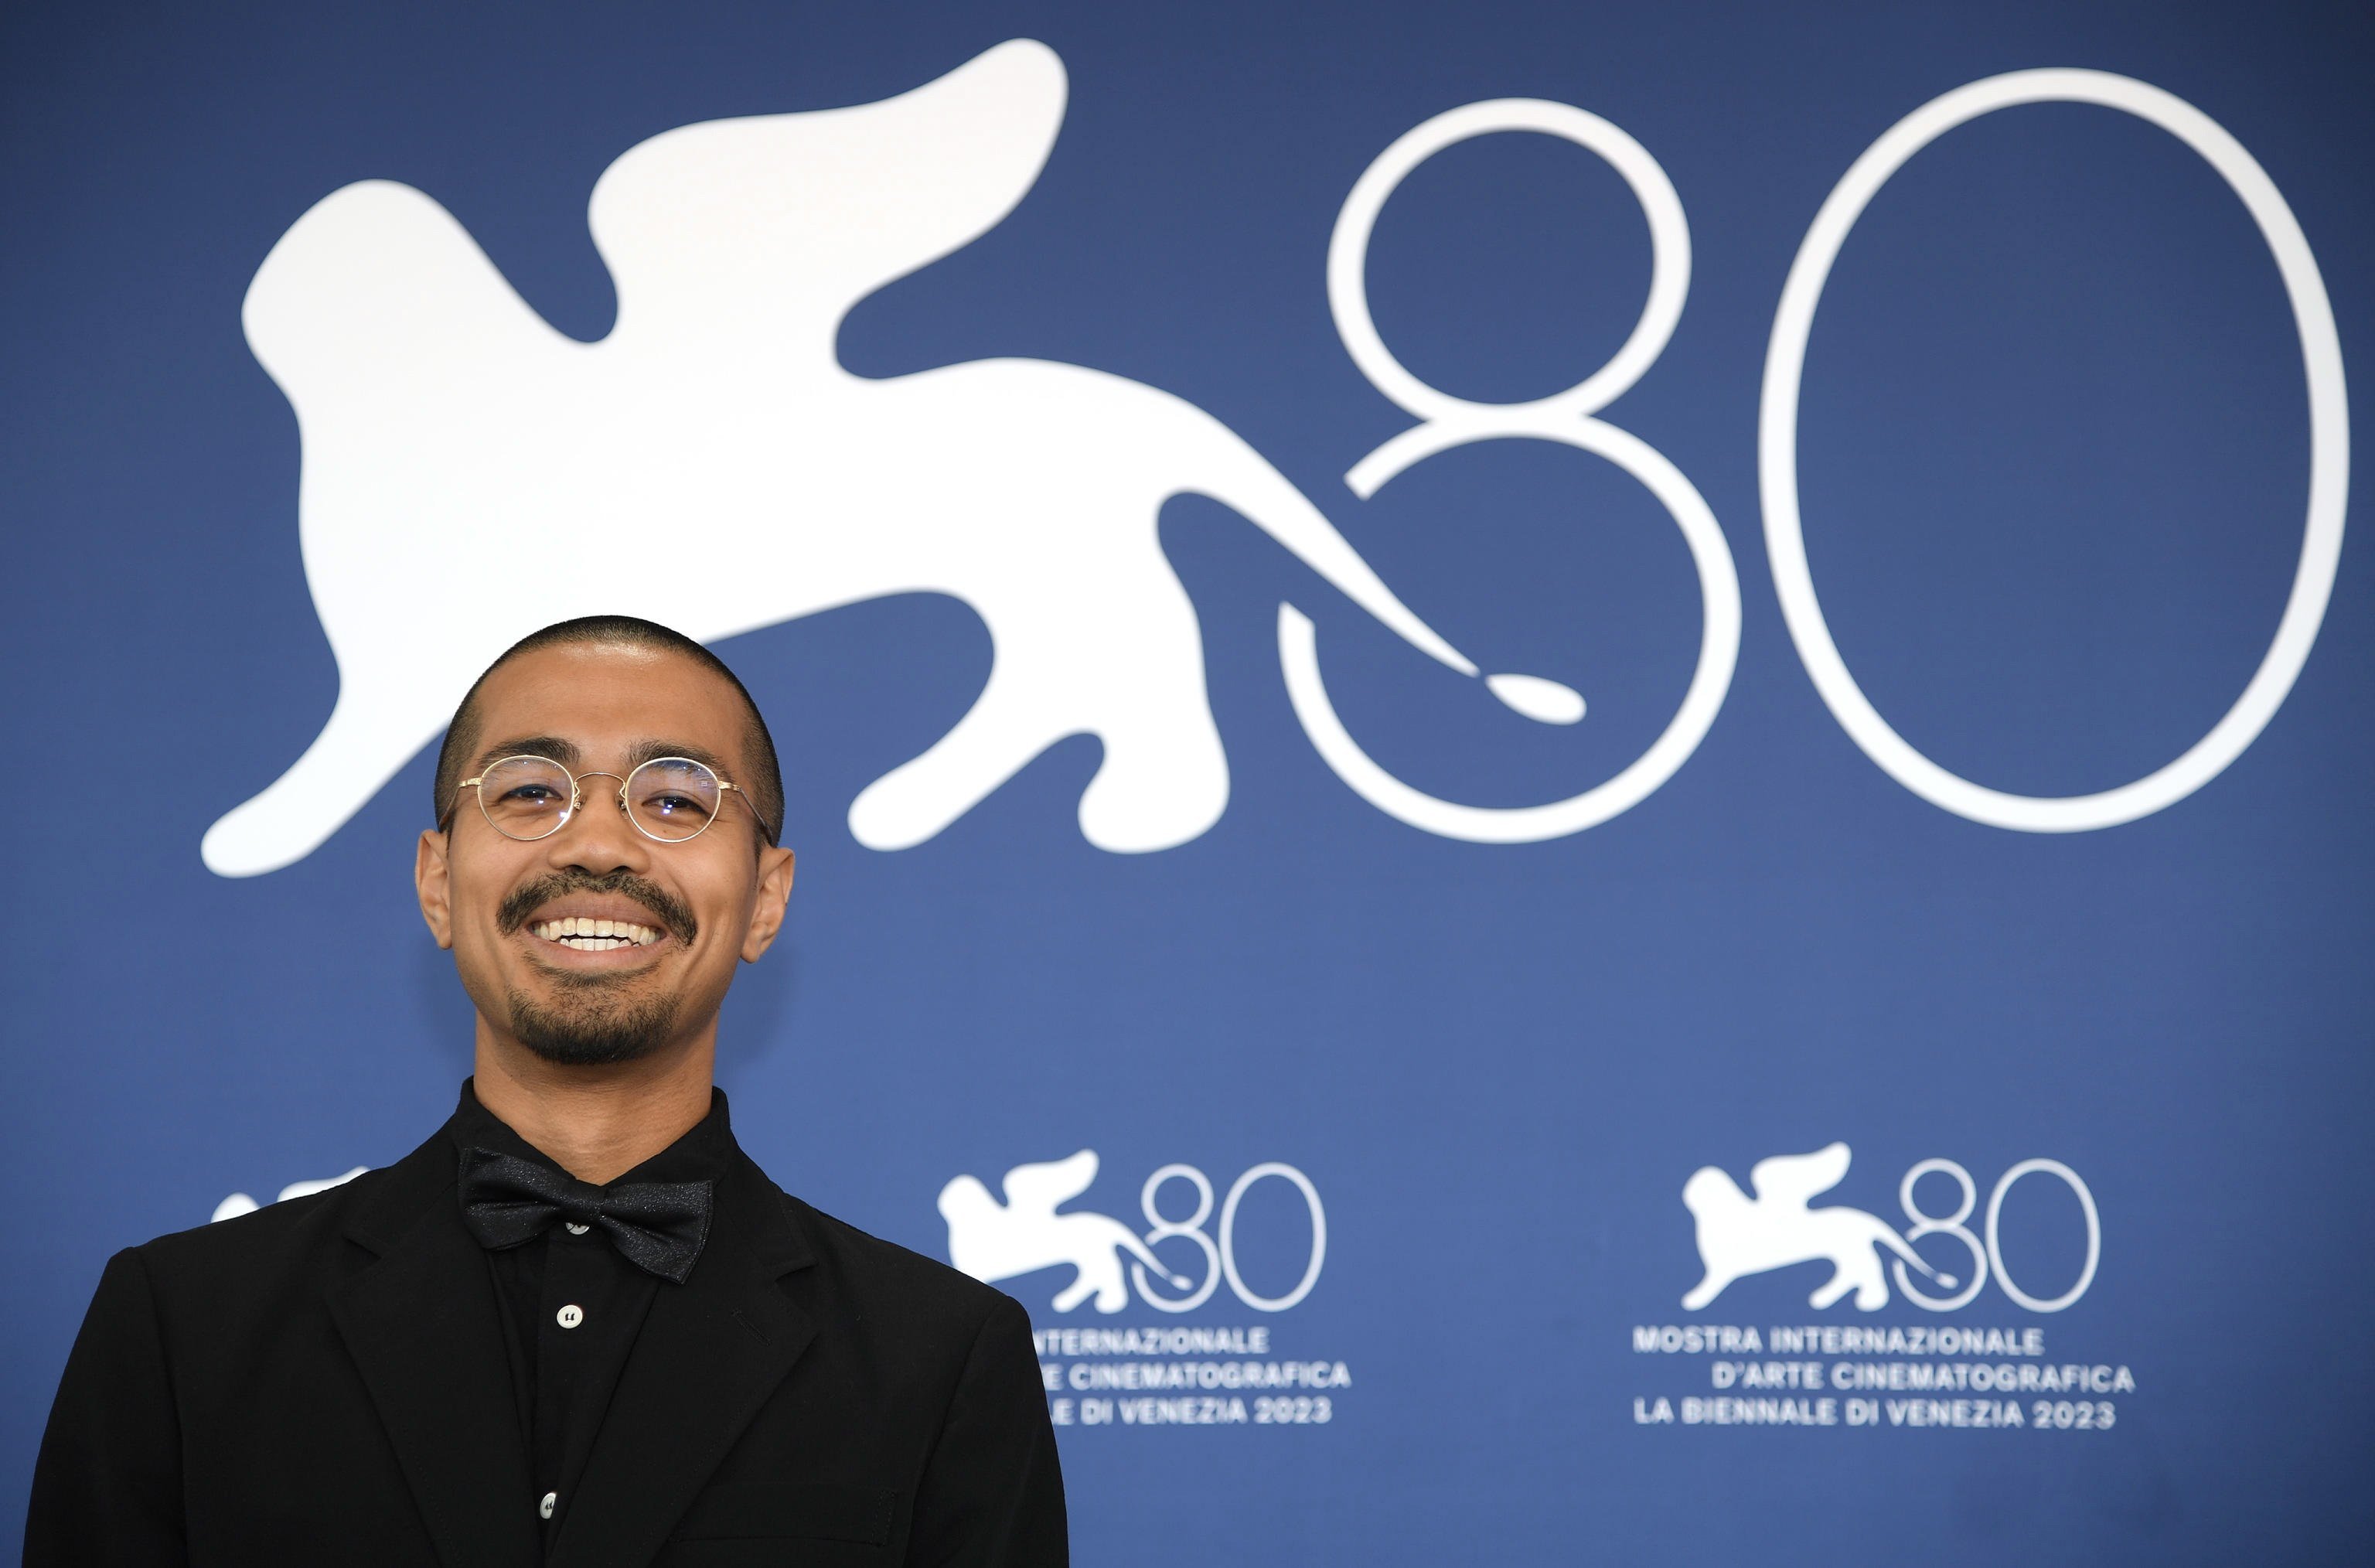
<point x="1243" y="479"/>
<point x="1904" y="1249"/>
<point x="1145" y="1255"/>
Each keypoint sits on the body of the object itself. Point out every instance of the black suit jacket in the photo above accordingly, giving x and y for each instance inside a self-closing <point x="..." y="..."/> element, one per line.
<point x="324" y="1381"/>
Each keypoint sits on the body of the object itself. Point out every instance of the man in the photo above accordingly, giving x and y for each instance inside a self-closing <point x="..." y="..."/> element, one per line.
<point x="578" y="1326"/>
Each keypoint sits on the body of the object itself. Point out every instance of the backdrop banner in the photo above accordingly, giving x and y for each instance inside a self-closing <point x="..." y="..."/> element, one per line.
<point x="1591" y="778"/>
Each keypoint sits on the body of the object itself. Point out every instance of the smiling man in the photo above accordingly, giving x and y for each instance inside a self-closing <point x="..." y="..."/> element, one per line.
<point x="578" y="1326"/>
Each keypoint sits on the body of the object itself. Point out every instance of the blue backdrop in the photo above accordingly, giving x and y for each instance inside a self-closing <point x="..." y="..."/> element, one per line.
<point x="2054" y="452"/>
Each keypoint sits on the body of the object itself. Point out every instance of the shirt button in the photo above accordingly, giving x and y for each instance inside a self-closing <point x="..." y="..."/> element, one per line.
<point x="544" y="1509"/>
<point x="570" y="1316"/>
<point x="573" y="1228"/>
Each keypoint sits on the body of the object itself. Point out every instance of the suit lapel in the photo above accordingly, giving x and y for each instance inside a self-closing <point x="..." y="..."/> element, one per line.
<point x="711" y="1353"/>
<point x="424" y="1329"/>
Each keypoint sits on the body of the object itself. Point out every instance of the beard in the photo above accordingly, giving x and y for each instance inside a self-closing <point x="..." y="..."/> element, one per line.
<point x="589" y="1024"/>
<point x="594" y="1020"/>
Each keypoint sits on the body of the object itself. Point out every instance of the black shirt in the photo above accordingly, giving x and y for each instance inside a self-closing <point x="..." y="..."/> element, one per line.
<point x="571" y="1304"/>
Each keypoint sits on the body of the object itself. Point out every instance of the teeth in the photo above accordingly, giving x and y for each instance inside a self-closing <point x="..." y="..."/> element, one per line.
<point x="588" y="935"/>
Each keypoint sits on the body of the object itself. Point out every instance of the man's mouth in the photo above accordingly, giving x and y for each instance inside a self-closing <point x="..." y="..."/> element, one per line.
<point x="621" y="916"/>
<point x="587" y="935"/>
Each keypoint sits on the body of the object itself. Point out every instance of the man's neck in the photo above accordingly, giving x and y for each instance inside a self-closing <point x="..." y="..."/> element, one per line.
<point x="596" y="1123"/>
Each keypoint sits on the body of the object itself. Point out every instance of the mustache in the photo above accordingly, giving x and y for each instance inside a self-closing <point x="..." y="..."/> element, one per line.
<point x="668" y="911"/>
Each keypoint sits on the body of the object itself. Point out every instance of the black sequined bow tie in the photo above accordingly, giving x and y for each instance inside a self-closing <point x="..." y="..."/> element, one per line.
<point x="657" y="1226"/>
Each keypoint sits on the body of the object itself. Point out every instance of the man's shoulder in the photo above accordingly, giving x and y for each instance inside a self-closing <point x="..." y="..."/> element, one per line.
<point x="284" y="1237"/>
<point x="904" y="1286"/>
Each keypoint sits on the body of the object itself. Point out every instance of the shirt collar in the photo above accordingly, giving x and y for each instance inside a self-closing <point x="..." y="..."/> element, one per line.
<point x="702" y="1154"/>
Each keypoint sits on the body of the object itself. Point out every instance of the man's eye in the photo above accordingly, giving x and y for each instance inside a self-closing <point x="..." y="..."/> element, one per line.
<point x="675" y="805"/>
<point x="531" y="795"/>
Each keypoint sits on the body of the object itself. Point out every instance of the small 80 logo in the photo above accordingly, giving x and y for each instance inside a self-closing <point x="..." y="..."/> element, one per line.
<point x="1739" y="1235"/>
<point x="993" y="1241"/>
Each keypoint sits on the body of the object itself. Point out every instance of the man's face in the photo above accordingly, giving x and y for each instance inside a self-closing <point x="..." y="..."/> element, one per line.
<point x="681" y="913"/>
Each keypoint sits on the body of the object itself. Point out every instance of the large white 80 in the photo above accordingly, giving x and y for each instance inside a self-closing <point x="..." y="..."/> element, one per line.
<point x="1221" y="1256"/>
<point x="1990" y="1254"/>
<point x="1569" y="417"/>
<point x="1566" y="417"/>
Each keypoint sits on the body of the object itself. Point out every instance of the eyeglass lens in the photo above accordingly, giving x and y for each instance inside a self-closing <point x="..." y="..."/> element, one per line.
<point x="672" y="798"/>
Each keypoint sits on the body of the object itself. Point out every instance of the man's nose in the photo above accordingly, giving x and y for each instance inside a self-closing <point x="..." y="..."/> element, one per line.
<point x="599" y="838"/>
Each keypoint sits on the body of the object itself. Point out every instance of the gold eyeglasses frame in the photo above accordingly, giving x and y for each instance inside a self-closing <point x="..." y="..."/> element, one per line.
<point x="578" y="798"/>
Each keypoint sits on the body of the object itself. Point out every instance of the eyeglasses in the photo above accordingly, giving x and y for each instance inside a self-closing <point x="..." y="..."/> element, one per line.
<point x="668" y="799"/>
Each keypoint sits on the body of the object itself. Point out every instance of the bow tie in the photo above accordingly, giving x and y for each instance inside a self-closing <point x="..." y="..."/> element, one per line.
<point x="657" y="1226"/>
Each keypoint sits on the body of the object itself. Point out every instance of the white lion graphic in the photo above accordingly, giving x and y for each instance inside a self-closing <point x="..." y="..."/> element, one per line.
<point x="990" y="1240"/>
<point x="1737" y="1236"/>
<point x="470" y="474"/>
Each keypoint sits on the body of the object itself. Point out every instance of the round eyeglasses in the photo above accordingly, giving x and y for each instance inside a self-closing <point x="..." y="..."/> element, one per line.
<point x="668" y="799"/>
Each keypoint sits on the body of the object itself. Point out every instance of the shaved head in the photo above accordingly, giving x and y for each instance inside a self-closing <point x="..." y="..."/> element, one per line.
<point x="760" y="774"/>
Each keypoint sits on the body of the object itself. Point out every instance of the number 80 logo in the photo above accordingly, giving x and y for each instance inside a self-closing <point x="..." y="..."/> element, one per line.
<point x="1990" y="1254"/>
<point x="1570" y="418"/>
<point x="1221" y="1256"/>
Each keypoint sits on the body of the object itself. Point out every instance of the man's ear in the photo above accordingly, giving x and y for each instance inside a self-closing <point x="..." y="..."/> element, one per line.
<point x="432" y="880"/>
<point x="767" y="903"/>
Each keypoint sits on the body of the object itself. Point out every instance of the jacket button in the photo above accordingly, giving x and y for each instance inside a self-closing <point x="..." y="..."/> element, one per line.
<point x="570" y="1316"/>
<point x="544" y="1509"/>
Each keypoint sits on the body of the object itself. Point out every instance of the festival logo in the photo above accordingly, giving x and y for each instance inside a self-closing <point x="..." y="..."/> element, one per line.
<point x="1738" y="1235"/>
<point x="1148" y="1373"/>
<point x="992" y="1240"/>
<point x="711" y="466"/>
<point x="1997" y="1375"/>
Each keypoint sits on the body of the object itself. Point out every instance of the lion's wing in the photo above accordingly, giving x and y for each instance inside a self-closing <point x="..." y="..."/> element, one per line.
<point x="1794" y="1178"/>
<point x="1037" y="1189"/>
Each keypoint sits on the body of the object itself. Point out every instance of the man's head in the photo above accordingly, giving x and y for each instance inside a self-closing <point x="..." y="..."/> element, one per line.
<point x="600" y="697"/>
<point x="764" y="781"/>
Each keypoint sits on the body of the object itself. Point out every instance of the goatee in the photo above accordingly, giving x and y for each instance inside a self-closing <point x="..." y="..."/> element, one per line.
<point x="589" y="1029"/>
